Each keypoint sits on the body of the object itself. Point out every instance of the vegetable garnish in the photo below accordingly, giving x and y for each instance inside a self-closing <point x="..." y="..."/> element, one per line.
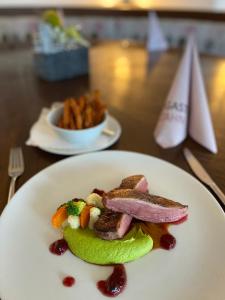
<point x="72" y="208"/>
<point x="85" y="216"/>
<point x="59" y="217"/>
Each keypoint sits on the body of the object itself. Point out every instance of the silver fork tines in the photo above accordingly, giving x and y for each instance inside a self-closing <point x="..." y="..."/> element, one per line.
<point x="16" y="168"/>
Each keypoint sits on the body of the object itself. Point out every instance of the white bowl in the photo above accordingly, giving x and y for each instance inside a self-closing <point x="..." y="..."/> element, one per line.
<point x="79" y="137"/>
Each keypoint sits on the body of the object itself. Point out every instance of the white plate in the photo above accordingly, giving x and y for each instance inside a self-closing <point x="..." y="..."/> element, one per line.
<point x="194" y="270"/>
<point x="104" y="141"/>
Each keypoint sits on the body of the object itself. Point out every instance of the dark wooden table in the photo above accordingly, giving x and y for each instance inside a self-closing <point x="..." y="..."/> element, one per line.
<point x="134" y="86"/>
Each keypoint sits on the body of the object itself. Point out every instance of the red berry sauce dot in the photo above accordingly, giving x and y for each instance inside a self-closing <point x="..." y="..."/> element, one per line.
<point x="115" y="284"/>
<point x="167" y="241"/>
<point x="68" y="281"/>
<point x="58" y="247"/>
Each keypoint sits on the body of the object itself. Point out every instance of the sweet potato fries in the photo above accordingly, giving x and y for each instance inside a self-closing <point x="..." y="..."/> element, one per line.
<point x="84" y="112"/>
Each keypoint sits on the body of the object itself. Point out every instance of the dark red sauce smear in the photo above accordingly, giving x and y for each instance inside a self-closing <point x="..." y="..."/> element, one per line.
<point x="167" y="241"/>
<point x="160" y="233"/>
<point x="59" y="247"/>
<point x="115" y="284"/>
<point x="68" y="281"/>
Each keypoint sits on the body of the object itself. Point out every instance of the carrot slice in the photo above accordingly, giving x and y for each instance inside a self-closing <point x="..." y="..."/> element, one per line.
<point x="85" y="216"/>
<point x="59" y="217"/>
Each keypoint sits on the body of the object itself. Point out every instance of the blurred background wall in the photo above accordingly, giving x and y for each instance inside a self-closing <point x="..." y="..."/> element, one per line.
<point x="201" y="4"/>
<point x="111" y="19"/>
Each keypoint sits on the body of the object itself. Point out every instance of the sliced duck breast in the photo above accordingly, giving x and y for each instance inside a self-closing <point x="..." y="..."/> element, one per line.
<point x="112" y="225"/>
<point x="143" y="206"/>
<point x="137" y="182"/>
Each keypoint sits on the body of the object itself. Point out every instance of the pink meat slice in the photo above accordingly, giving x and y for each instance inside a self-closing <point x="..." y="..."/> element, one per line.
<point x="113" y="225"/>
<point x="137" y="182"/>
<point x="144" y="207"/>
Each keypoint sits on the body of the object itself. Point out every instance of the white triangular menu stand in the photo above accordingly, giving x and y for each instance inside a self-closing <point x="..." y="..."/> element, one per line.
<point x="171" y="129"/>
<point x="200" y="128"/>
<point x="187" y="94"/>
<point x="156" y="39"/>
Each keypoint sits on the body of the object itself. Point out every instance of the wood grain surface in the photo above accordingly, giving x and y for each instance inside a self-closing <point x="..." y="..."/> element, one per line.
<point x="133" y="84"/>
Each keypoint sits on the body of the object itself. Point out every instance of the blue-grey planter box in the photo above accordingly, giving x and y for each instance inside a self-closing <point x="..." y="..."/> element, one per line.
<point x="62" y="65"/>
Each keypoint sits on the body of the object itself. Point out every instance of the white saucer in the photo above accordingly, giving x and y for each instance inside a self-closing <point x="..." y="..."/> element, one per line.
<point x="43" y="137"/>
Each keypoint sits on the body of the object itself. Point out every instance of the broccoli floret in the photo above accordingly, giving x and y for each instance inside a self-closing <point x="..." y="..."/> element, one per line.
<point x="72" y="209"/>
<point x="80" y="205"/>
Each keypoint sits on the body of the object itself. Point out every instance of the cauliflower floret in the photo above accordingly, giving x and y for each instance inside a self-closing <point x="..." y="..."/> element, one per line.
<point x="94" y="199"/>
<point x="94" y="215"/>
<point x="74" y="221"/>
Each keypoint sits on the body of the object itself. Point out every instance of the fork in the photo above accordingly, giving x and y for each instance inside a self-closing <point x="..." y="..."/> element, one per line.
<point x="16" y="168"/>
